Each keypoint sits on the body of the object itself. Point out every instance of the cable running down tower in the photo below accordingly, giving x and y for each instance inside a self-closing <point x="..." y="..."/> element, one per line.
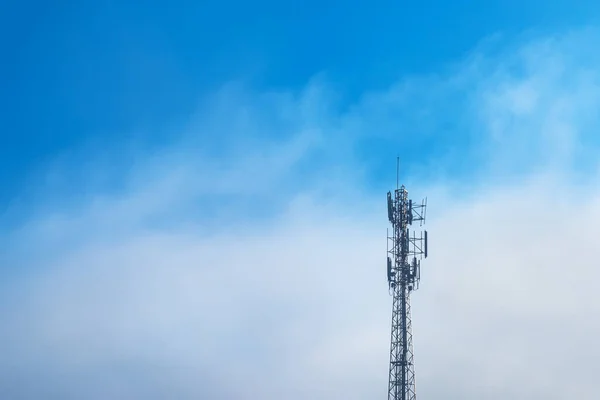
<point x="403" y="273"/>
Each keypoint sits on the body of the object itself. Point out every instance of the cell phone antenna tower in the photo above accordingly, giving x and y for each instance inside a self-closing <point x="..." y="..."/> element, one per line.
<point x="403" y="273"/>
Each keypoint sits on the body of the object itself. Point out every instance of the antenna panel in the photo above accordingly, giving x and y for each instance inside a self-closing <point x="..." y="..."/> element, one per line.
<point x="390" y="206"/>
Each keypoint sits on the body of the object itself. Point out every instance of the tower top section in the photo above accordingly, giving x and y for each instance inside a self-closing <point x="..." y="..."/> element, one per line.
<point x="407" y="248"/>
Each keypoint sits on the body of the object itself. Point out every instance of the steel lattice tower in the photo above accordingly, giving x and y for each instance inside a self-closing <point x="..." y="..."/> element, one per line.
<point x="403" y="272"/>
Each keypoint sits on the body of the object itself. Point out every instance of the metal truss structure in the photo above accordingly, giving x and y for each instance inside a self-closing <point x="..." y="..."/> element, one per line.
<point x="404" y="273"/>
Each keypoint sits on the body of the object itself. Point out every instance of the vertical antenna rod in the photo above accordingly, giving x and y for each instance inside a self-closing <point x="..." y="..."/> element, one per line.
<point x="404" y="274"/>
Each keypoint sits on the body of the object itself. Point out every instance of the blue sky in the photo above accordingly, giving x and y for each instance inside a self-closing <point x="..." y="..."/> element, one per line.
<point x="111" y="72"/>
<point x="176" y="174"/>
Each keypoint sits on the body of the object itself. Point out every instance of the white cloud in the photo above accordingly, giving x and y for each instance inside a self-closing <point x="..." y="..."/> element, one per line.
<point x="105" y="304"/>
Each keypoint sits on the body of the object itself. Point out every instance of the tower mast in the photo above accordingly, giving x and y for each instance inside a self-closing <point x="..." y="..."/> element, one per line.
<point x="404" y="273"/>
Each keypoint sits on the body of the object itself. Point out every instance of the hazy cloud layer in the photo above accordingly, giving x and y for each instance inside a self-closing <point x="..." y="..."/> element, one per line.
<point x="263" y="277"/>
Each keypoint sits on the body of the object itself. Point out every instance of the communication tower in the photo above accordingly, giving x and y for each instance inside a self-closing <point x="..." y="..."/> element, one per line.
<point x="403" y="273"/>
